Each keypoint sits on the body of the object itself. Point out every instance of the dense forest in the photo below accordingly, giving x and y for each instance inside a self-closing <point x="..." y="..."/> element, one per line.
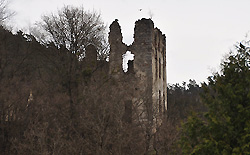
<point x="53" y="102"/>
<point x="40" y="115"/>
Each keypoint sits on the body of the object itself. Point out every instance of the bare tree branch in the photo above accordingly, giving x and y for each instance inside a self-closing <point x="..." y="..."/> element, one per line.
<point x="5" y="13"/>
<point x="75" y="29"/>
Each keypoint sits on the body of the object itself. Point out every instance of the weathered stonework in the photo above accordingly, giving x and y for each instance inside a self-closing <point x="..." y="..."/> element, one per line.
<point x="143" y="87"/>
<point x="147" y="72"/>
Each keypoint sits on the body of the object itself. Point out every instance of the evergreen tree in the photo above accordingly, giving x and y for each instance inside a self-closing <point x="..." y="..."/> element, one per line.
<point x="225" y="128"/>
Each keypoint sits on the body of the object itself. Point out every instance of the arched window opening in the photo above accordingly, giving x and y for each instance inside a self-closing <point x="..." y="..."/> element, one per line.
<point x="125" y="59"/>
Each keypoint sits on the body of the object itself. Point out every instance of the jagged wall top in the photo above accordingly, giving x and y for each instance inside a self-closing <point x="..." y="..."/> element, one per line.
<point x="144" y="29"/>
<point x="146" y="39"/>
<point x="115" y="34"/>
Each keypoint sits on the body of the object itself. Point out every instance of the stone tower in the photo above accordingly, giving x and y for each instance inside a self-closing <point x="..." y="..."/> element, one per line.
<point x="145" y="82"/>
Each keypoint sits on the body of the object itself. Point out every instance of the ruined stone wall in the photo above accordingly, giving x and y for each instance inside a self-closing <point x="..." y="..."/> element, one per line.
<point x="137" y="97"/>
<point x="142" y="49"/>
<point x="159" y="71"/>
<point x="117" y="49"/>
<point x="144" y="86"/>
<point x="146" y="83"/>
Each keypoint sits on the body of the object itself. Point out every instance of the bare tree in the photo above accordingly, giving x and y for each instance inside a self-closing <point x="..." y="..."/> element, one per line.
<point x="4" y="11"/>
<point x="74" y="28"/>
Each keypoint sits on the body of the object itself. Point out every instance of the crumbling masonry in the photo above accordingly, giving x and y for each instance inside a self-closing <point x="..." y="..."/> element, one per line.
<point x="143" y="87"/>
<point x="147" y="72"/>
<point x="91" y="101"/>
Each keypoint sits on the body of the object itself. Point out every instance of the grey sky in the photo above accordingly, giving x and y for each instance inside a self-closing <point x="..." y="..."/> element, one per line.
<point x="199" y="32"/>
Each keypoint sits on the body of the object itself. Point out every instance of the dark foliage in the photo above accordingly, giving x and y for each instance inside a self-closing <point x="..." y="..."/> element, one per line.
<point x="225" y="129"/>
<point x="182" y="101"/>
<point x="52" y="103"/>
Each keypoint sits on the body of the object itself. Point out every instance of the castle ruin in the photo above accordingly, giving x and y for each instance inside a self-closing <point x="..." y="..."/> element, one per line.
<point x="91" y="102"/>
<point x="143" y="86"/>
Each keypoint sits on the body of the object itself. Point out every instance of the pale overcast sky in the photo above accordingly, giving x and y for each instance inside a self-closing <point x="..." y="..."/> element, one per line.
<point x="199" y="32"/>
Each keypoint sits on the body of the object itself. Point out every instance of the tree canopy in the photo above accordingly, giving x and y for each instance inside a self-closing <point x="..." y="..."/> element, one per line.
<point x="5" y="13"/>
<point x="226" y="126"/>
<point x="75" y="29"/>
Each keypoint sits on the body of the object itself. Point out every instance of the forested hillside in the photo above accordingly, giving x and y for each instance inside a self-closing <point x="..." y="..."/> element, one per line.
<point x="56" y="97"/>
<point x="183" y="100"/>
<point x="53" y="102"/>
<point x="32" y="77"/>
<point x="225" y="127"/>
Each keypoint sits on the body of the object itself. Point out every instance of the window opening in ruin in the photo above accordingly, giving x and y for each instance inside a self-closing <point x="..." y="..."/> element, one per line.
<point x="130" y="66"/>
<point x="160" y="106"/>
<point x="164" y="73"/>
<point x="125" y="58"/>
<point x="164" y="100"/>
<point x="128" y="111"/>
<point x="156" y="64"/>
<point x="164" y="64"/>
<point x="155" y="40"/>
<point x="159" y="67"/>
